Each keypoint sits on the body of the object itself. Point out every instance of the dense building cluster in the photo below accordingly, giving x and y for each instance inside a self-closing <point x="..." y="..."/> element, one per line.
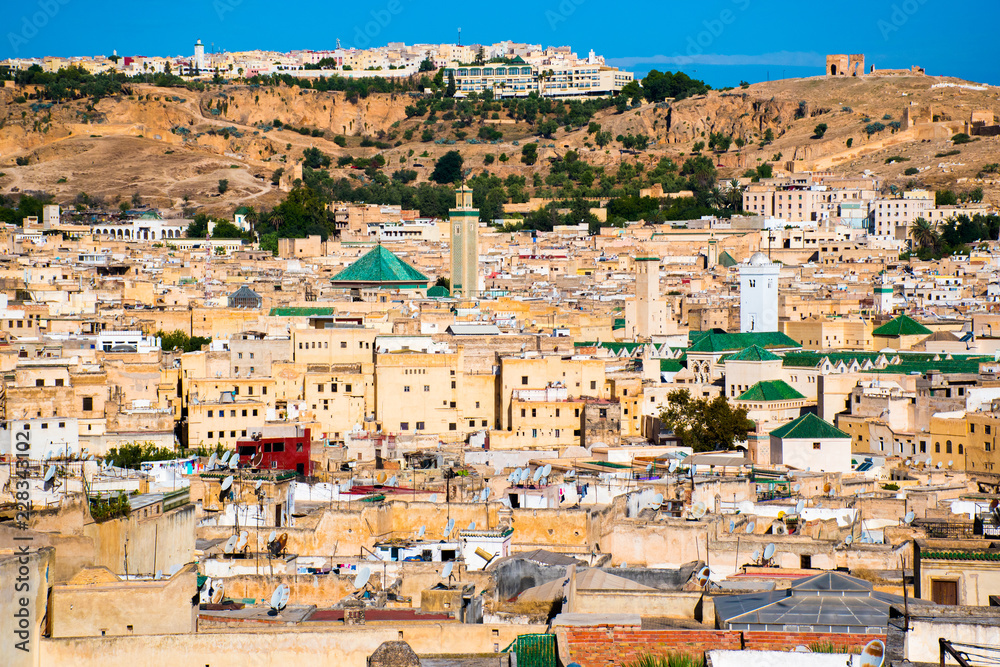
<point x="421" y="441"/>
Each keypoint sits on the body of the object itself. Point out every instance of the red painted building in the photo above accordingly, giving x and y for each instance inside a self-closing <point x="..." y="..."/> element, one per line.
<point x="279" y="453"/>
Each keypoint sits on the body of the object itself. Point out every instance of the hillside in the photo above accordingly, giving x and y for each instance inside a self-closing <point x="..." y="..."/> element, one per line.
<point x="172" y="145"/>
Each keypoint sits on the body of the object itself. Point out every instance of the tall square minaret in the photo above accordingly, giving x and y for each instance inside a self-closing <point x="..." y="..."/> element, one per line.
<point x="464" y="245"/>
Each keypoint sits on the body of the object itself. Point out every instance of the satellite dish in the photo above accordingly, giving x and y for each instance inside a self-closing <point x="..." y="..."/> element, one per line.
<point x="392" y="481"/>
<point x="446" y="572"/>
<point x="516" y="474"/>
<point x="242" y="542"/>
<point x="907" y="462"/>
<point x="380" y="478"/>
<point x="49" y="474"/>
<point x="657" y="500"/>
<point x="227" y="482"/>
<point x="938" y="464"/>
<point x="524" y="475"/>
<point x="570" y="475"/>
<point x="768" y="551"/>
<point x="732" y="525"/>
<point x="259" y="484"/>
<point x="928" y="461"/>
<point x="234" y="462"/>
<point x="874" y="654"/>
<point x="827" y="488"/>
<point x="698" y="510"/>
<point x="649" y="468"/>
<point x="219" y="592"/>
<point x="486" y="494"/>
<point x="672" y="466"/>
<point x="225" y="458"/>
<point x="212" y="460"/>
<point x="703" y="576"/>
<point x="750" y="527"/>
<point x="911" y="515"/>
<point x="848" y="540"/>
<point x="472" y="525"/>
<point x="449" y="527"/>
<point x="951" y="463"/>
<point x="434" y="497"/>
<point x="364" y="574"/>
<point x="421" y="531"/>
<point x="274" y="534"/>
<point x="231" y="544"/>
<point x="756" y="554"/>
<point x="797" y="488"/>
<point x="546" y="470"/>
<point x="994" y="504"/>
<point x="799" y="506"/>
<point x="537" y="476"/>
<point x="158" y="575"/>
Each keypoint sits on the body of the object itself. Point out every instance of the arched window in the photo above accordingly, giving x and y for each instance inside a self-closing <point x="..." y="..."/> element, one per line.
<point x="947" y="447"/>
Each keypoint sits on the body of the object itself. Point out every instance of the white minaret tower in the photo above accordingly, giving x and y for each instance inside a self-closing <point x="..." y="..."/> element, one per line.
<point x="883" y="297"/>
<point x="199" y="56"/>
<point x="464" y="245"/>
<point x="759" y="294"/>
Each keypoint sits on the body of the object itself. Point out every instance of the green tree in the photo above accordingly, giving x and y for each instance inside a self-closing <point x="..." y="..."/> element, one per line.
<point x="819" y="131"/>
<point x="529" y="153"/>
<point x="133" y="454"/>
<point x="223" y="186"/>
<point x="178" y="340"/>
<point x="945" y="198"/>
<point x="924" y="236"/>
<point x="198" y="229"/>
<point x="452" y="88"/>
<point x="705" y="424"/>
<point x="448" y="168"/>
<point x="226" y="230"/>
<point x="426" y="65"/>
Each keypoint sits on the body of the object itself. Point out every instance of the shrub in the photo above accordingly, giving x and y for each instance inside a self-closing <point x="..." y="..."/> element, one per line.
<point x="911" y="171"/>
<point x="340" y="140"/>
<point x="961" y="138"/>
<point x="21" y="161"/>
<point x="223" y="186"/>
<point x="820" y="130"/>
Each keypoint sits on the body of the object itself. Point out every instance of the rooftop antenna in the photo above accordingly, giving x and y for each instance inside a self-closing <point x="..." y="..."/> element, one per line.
<point x="460" y="37"/>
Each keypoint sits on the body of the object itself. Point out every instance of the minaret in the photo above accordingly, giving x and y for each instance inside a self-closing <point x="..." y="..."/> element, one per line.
<point x="199" y="56"/>
<point x="759" y="294"/>
<point x="464" y="244"/>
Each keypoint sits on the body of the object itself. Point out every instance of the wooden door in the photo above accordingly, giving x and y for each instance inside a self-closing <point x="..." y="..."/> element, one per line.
<point x="944" y="592"/>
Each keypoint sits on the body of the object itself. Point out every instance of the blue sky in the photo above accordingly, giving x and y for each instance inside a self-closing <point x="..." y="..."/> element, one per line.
<point x="721" y="41"/>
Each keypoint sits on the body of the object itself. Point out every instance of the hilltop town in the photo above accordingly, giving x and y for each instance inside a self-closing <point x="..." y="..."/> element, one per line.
<point x="477" y="355"/>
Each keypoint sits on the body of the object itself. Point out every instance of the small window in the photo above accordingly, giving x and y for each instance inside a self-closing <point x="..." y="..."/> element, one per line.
<point x="39" y="383"/>
<point x="524" y="379"/>
<point x="404" y="426"/>
<point x="420" y="426"/>
<point x="452" y="426"/>
<point x="816" y="445"/>
<point x="88" y="403"/>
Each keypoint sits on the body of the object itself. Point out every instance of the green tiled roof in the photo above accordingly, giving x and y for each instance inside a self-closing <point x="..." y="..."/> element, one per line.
<point x="670" y="365"/>
<point x="725" y="342"/>
<point x="809" y="426"/>
<point x="301" y="312"/>
<point x="753" y="353"/>
<point x="771" y="390"/>
<point x="726" y="259"/>
<point x="902" y="326"/>
<point x="613" y="347"/>
<point x="961" y="555"/>
<point x="380" y="265"/>
<point x="619" y="323"/>
<point x="438" y="291"/>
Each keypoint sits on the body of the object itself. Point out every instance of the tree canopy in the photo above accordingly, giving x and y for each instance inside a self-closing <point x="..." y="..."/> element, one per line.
<point x="705" y="424"/>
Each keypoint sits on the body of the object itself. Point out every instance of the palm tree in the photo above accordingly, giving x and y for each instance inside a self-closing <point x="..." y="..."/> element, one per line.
<point x="716" y="199"/>
<point x="734" y="195"/>
<point x="252" y="218"/>
<point x="924" y="235"/>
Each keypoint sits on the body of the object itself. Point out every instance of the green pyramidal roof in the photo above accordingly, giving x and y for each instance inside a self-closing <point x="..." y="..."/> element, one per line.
<point x="771" y="390"/>
<point x="726" y="260"/>
<point x="809" y="426"/>
<point x="902" y="326"/>
<point x="754" y="353"/>
<point x="381" y="266"/>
